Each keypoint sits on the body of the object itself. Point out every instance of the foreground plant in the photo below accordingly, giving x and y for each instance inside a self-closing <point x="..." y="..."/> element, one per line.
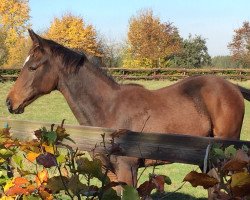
<point x="48" y="168"/>
<point x="229" y="176"/>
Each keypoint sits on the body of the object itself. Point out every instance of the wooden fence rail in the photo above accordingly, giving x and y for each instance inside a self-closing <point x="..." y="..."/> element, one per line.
<point x="154" y="73"/>
<point x="169" y="147"/>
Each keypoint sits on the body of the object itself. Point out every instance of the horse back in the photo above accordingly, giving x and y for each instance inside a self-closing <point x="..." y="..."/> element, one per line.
<point x="200" y="105"/>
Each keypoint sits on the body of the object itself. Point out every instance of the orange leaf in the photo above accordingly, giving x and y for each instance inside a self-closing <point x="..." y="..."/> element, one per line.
<point x="42" y="177"/>
<point x="20" y="181"/>
<point x="31" y="156"/>
<point x="18" y="187"/>
<point x="200" y="179"/>
<point x="16" y="190"/>
<point x="31" y="188"/>
<point x="45" y="195"/>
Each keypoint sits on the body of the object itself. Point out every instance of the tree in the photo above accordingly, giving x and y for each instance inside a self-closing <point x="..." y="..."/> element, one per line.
<point x="14" y="20"/>
<point x="130" y="61"/>
<point x="14" y="14"/>
<point x="111" y="51"/>
<point x="72" y="32"/>
<point x="3" y="49"/>
<point x="194" y="53"/>
<point x="224" y="62"/>
<point x="240" y="45"/>
<point x="150" y="39"/>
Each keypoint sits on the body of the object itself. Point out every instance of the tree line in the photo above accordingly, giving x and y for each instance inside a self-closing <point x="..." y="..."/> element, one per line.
<point x="150" y="42"/>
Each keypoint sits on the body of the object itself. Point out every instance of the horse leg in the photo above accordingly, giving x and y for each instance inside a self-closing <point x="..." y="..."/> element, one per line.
<point x="226" y="125"/>
<point x="126" y="171"/>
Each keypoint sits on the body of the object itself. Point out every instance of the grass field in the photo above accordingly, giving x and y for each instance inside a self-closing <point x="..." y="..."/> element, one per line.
<point x="53" y="108"/>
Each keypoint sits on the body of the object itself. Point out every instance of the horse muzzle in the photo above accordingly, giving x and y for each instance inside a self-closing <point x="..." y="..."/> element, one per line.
<point x="9" y="105"/>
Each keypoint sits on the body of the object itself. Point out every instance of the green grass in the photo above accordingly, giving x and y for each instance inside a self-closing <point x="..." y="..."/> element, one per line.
<point x="54" y="108"/>
<point x="49" y="108"/>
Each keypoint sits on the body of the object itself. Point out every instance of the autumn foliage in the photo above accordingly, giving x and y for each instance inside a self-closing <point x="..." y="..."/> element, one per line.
<point x="38" y="169"/>
<point x="229" y="177"/>
<point x="14" y="20"/>
<point x="151" y="39"/>
<point x="73" y="32"/>
<point x="240" y="45"/>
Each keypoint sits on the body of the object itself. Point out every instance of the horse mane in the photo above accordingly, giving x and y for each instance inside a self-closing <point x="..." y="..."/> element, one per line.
<point x="73" y="60"/>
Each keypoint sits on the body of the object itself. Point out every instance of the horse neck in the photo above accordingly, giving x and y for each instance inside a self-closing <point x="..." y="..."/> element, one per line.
<point x="89" y="94"/>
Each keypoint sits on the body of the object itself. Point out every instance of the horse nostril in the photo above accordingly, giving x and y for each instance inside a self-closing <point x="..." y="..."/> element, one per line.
<point x="9" y="104"/>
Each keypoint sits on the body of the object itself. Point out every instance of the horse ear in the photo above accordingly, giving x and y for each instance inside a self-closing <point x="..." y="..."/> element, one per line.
<point x="35" y="38"/>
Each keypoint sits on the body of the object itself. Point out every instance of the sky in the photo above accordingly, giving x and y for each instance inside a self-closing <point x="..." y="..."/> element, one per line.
<point x="214" y="20"/>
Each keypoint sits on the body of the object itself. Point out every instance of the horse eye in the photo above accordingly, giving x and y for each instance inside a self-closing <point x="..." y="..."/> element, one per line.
<point x="32" y="68"/>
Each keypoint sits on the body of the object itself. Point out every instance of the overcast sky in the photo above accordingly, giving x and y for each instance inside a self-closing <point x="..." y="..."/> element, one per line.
<point x="214" y="20"/>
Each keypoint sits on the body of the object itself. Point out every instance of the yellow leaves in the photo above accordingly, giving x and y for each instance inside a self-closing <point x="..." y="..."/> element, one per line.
<point x="14" y="14"/>
<point x="48" y="149"/>
<point x="42" y="177"/>
<point x="240" y="184"/>
<point x="18" y="186"/>
<point x="23" y="186"/>
<point x="240" y="179"/>
<point x="149" y="38"/>
<point x="72" y="32"/>
<point x="14" y="17"/>
<point x="7" y="198"/>
<point x="8" y="185"/>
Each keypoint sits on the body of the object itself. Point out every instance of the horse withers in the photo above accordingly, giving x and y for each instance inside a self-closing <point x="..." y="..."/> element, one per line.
<point x="200" y="105"/>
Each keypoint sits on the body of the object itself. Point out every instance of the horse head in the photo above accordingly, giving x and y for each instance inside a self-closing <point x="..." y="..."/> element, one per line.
<point x="37" y="77"/>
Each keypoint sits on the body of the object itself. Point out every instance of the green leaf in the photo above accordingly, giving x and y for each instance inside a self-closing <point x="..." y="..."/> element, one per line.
<point x="3" y="179"/>
<point x="55" y="183"/>
<point x="218" y="153"/>
<point x="245" y="148"/>
<point x="167" y="180"/>
<point x="91" y="167"/>
<point x="5" y="153"/>
<point x="110" y="194"/>
<point x="18" y="160"/>
<point x="130" y="193"/>
<point x="50" y="137"/>
<point x="61" y="159"/>
<point x="230" y="151"/>
<point x="6" y="125"/>
<point x="75" y="185"/>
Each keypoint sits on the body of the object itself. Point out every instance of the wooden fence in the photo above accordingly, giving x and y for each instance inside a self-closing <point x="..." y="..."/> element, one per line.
<point x="169" y="147"/>
<point x="154" y="73"/>
<point x="177" y="73"/>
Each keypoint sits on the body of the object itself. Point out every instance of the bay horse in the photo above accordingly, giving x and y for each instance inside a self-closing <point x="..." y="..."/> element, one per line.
<point x="200" y="105"/>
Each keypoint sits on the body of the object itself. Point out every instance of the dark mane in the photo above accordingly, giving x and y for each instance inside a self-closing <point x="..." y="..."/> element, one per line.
<point x="71" y="59"/>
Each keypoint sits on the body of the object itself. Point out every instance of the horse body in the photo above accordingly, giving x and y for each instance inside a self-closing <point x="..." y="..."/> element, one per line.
<point x="200" y="105"/>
